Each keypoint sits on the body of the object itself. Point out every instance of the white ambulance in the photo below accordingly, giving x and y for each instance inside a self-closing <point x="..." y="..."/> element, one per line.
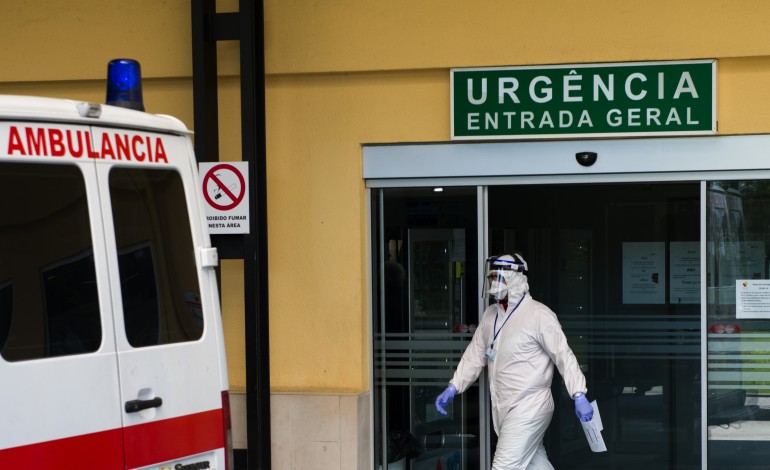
<point x="111" y="345"/>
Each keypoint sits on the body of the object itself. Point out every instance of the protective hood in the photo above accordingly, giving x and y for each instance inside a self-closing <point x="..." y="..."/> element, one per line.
<point x="506" y="277"/>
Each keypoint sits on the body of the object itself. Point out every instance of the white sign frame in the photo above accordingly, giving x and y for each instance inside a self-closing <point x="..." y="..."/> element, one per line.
<point x="225" y="188"/>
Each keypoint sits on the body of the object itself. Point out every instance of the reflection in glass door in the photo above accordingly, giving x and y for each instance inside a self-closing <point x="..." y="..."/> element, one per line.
<point x="620" y="266"/>
<point x="426" y="309"/>
<point x="738" y="324"/>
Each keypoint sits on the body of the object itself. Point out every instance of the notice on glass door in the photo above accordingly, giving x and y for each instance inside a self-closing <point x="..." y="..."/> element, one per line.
<point x="644" y="273"/>
<point x="685" y="273"/>
<point x="752" y="298"/>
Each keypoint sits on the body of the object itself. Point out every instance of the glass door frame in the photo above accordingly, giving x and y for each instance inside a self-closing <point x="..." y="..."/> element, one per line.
<point x="710" y="337"/>
<point x="647" y="160"/>
<point x="703" y="326"/>
<point x="377" y="245"/>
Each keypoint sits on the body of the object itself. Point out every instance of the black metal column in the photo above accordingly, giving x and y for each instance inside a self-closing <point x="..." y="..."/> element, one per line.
<point x="205" y="117"/>
<point x="255" y="246"/>
<point x="247" y="25"/>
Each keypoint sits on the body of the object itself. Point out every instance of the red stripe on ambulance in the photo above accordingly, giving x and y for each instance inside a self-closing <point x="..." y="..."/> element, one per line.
<point x="145" y="444"/>
<point x="169" y="439"/>
<point x="53" y="142"/>
<point x="100" y="450"/>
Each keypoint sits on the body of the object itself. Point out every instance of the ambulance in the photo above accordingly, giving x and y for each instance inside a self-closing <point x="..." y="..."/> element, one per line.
<point x="111" y="345"/>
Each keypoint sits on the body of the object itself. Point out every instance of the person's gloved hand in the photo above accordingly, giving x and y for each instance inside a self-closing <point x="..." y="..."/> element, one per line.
<point x="583" y="409"/>
<point x="445" y="398"/>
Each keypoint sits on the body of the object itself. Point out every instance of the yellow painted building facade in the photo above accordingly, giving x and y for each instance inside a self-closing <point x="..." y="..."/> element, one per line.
<point x="342" y="74"/>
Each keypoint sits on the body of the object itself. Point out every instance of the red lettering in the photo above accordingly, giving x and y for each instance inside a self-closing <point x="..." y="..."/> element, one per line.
<point x="160" y="152"/>
<point x="56" y="139"/>
<point x="14" y="142"/>
<point x="36" y="141"/>
<point x="107" y="147"/>
<point x="91" y="153"/>
<point x="121" y="145"/>
<point x="140" y="156"/>
<point x="77" y="153"/>
<point x="57" y="142"/>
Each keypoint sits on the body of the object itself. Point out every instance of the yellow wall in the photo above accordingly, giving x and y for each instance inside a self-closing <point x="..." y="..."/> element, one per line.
<point x="347" y="72"/>
<point x="316" y="124"/>
<point x="742" y="94"/>
<point x="63" y="40"/>
<point x="350" y="35"/>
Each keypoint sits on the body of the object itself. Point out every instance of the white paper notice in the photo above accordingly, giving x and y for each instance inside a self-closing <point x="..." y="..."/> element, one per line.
<point x="685" y="273"/>
<point x="644" y="273"/>
<point x="593" y="430"/>
<point x="752" y="298"/>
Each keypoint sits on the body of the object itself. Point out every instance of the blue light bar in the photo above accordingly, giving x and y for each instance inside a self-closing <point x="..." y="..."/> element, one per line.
<point x="124" y="84"/>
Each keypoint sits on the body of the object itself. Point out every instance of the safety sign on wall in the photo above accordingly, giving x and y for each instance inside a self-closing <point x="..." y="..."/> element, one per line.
<point x="225" y="189"/>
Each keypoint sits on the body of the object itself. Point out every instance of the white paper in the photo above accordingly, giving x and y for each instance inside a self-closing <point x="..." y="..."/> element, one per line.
<point x="644" y="273"/>
<point x="593" y="430"/>
<point x="685" y="273"/>
<point x="752" y="298"/>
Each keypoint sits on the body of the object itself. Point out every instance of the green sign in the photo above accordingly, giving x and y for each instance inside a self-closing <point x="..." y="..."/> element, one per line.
<point x="648" y="98"/>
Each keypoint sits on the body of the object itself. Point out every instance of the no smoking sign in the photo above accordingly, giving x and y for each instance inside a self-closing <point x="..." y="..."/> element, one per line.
<point x="225" y="189"/>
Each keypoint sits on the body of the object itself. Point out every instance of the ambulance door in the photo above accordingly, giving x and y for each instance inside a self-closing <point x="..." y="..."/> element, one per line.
<point x="171" y="372"/>
<point x="58" y="367"/>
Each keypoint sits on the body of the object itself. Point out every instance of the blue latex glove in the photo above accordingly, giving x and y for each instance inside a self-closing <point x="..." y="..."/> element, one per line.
<point x="445" y="398"/>
<point x="583" y="409"/>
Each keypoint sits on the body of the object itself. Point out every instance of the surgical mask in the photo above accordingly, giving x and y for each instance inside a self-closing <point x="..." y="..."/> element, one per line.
<point x="498" y="283"/>
<point x="498" y="290"/>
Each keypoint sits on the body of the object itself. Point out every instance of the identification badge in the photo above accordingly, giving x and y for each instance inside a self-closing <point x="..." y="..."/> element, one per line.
<point x="490" y="353"/>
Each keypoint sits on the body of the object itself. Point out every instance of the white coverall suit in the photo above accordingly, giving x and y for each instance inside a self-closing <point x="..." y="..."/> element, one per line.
<point x="526" y="348"/>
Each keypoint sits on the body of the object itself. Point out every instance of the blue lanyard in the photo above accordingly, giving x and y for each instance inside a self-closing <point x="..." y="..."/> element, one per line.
<point x="494" y="327"/>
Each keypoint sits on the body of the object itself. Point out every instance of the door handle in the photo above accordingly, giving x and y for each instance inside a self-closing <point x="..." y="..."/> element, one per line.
<point x="132" y="406"/>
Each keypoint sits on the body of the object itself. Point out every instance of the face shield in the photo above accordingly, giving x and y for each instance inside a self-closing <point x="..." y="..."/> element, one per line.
<point x="500" y="275"/>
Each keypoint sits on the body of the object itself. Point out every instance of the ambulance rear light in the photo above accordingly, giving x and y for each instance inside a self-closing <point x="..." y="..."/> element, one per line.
<point x="124" y="84"/>
<point x="228" y="431"/>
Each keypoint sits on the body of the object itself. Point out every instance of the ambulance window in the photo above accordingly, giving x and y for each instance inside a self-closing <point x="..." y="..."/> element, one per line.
<point x="6" y="310"/>
<point x="48" y="296"/>
<point x="158" y="276"/>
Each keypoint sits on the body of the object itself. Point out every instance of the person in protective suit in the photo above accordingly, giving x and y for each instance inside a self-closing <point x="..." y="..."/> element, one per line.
<point x="519" y="340"/>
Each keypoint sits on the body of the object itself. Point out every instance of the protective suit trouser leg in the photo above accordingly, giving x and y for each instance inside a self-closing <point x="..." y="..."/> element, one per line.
<point x="520" y="443"/>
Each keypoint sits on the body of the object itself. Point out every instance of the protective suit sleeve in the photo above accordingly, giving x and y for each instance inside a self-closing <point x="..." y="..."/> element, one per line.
<point x="473" y="359"/>
<point x="555" y="344"/>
